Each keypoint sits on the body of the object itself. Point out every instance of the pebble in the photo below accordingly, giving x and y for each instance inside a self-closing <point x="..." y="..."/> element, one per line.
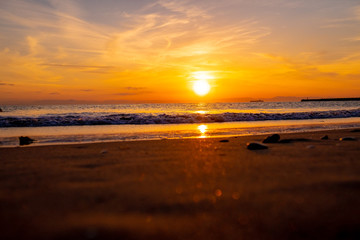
<point x="224" y="140"/>
<point x="326" y="137"/>
<point x="347" y="139"/>
<point x="310" y="146"/>
<point x="104" y="151"/>
<point x="272" y="139"/>
<point x="256" y="146"/>
<point x="25" y="140"/>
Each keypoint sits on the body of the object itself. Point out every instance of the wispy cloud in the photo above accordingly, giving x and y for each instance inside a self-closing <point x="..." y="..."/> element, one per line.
<point x="126" y="94"/>
<point x="77" y="66"/>
<point x="6" y="84"/>
<point x="357" y="12"/>
<point x="150" y="36"/>
<point x="176" y="30"/>
<point x="135" y="88"/>
<point x="132" y="91"/>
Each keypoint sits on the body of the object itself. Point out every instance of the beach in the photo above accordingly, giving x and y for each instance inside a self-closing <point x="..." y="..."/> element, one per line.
<point x="201" y="188"/>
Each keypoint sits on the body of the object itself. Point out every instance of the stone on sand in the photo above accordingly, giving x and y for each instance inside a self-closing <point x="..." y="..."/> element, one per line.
<point x="272" y="139"/>
<point x="25" y="140"/>
<point x="256" y="146"/>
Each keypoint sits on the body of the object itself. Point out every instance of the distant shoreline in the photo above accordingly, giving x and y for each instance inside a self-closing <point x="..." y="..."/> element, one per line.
<point x="329" y="99"/>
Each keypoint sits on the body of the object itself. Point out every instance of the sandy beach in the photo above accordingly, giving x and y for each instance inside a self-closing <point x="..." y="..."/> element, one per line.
<point x="184" y="189"/>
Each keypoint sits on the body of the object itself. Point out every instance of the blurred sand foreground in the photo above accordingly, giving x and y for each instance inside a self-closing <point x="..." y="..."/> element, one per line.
<point x="183" y="189"/>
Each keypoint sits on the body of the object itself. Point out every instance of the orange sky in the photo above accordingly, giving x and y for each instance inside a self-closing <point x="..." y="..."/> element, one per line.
<point x="148" y="51"/>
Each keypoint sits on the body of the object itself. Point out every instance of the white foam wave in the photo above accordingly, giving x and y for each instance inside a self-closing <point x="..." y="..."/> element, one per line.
<point x="144" y="118"/>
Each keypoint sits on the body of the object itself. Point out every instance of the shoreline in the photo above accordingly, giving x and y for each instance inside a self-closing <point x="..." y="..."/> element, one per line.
<point x="184" y="188"/>
<point x="48" y="136"/>
<point x="180" y="138"/>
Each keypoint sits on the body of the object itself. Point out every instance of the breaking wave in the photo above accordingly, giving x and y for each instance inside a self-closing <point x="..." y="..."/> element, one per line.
<point x="145" y="118"/>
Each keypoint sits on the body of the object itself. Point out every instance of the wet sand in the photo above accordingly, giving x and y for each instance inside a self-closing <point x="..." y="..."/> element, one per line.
<point x="183" y="189"/>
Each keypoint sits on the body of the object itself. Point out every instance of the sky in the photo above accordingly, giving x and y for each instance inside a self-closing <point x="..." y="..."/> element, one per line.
<point x="139" y="51"/>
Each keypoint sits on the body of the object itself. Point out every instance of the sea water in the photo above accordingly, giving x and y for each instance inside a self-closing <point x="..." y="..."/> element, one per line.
<point x="61" y="124"/>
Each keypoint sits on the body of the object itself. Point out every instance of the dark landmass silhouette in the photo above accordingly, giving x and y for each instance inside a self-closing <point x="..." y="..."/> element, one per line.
<point x="329" y="99"/>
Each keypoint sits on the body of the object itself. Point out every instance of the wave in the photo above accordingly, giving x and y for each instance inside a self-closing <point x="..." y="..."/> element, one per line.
<point x="143" y="118"/>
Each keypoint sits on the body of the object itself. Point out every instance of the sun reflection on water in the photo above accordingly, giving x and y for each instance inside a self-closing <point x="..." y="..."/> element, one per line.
<point x="203" y="129"/>
<point x="200" y="112"/>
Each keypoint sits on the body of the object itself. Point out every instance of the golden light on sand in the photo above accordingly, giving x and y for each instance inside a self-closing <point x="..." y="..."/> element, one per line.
<point x="201" y="86"/>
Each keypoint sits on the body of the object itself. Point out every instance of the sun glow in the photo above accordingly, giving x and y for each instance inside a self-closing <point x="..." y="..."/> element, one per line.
<point x="203" y="129"/>
<point x="201" y="86"/>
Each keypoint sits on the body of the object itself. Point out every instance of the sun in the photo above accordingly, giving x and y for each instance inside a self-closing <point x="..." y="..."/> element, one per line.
<point x="201" y="86"/>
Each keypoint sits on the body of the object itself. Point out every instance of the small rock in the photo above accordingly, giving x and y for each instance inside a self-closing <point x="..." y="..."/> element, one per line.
<point x="272" y="139"/>
<point x="310" y="146"/>
<point x="326" y="137"/>
<point x="1" y="110"/>
<point x="256" y="146"/>
<point x="25" y="140"/>
<point x="103" y="151"/>
<point x="224" y="140"/>
<point x="347" y="139"/>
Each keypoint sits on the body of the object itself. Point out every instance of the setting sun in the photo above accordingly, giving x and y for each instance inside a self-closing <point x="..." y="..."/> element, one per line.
<point x="201" y="85"/>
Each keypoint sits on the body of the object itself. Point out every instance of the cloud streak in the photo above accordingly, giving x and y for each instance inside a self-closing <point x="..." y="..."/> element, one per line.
<point x="133" y="91"/>
<point x="6" y="84"/>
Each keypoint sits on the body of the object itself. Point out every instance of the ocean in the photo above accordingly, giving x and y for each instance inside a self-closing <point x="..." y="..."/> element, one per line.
<point x="63" y="124"/>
